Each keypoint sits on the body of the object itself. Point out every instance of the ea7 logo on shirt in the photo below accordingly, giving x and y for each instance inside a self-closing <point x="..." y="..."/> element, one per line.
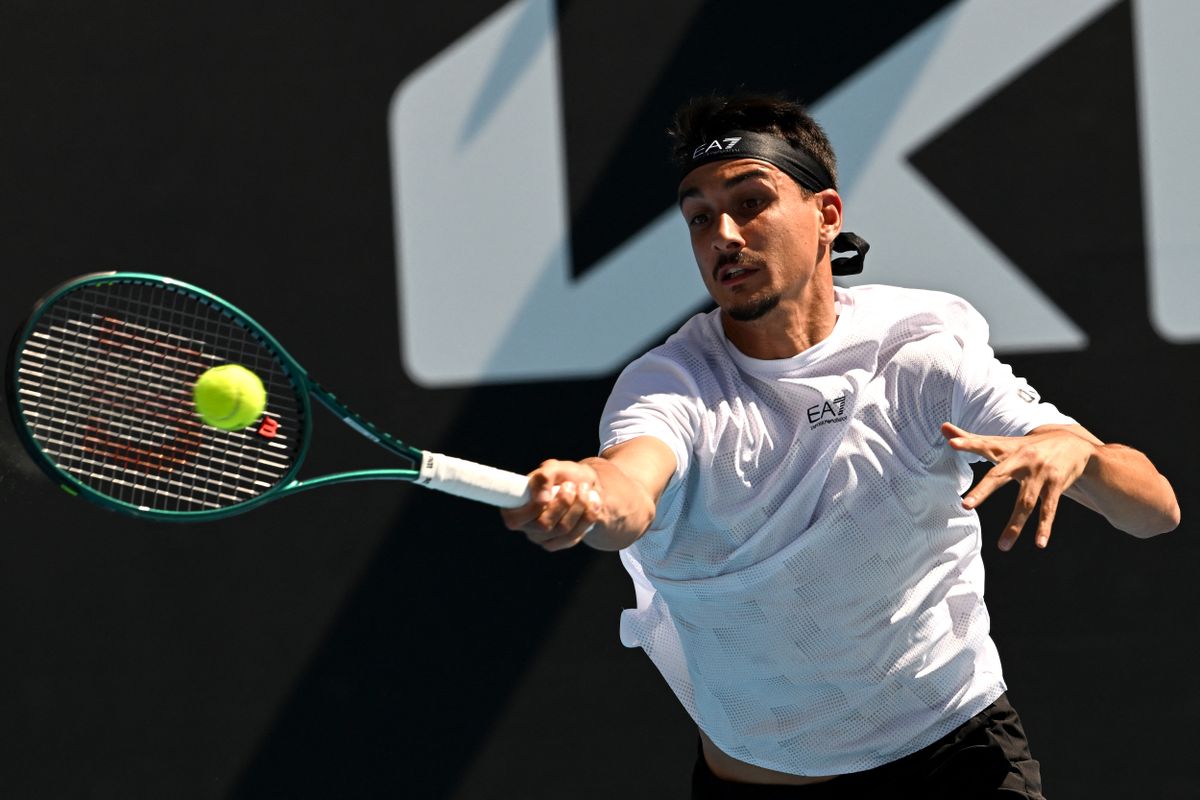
<point x="716" y="144"/>
<point x="830" y="411"/>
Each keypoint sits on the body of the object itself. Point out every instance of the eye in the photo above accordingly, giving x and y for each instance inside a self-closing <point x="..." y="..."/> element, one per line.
<point x="698" y="220"/>
<point x="753" y="203"/>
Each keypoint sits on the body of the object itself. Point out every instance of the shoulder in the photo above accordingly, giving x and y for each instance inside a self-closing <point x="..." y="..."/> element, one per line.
<point x="702" y="332"/>
<point x="656" y="395"/>
<point x="692" y="349"/>
<point x="912" y="313"/>
<point x="901" y="301"/>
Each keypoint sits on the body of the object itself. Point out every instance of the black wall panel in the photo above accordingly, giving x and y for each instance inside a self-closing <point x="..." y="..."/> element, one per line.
<point x="373" y="639"/>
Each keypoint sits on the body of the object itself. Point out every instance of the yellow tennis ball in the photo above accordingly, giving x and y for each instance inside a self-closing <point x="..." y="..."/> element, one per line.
<point x="229" y="397"/>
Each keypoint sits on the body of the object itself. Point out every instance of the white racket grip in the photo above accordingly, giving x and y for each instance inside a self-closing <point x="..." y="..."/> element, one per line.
<point x="473" y="481"/>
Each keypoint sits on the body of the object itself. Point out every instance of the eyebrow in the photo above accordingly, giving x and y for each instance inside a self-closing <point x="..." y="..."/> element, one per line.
<point x="741" y="177"/>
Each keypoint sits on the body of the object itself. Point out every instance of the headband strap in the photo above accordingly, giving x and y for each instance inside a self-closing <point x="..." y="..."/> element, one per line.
<point x="847" y="242"/>
<point x="796" y="162"/>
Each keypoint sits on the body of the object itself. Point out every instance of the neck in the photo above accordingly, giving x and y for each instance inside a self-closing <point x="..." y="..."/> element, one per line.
<point x="787" y="330"/>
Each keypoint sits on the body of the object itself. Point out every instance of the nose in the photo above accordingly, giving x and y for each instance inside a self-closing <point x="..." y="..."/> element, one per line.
<point x="728" y="235"/>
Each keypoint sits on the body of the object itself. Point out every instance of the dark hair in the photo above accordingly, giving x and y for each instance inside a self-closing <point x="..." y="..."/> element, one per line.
<point x="709" y="117"/>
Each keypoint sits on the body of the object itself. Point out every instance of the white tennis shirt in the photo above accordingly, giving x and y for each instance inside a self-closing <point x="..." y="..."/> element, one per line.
<point x="811" y="587"/>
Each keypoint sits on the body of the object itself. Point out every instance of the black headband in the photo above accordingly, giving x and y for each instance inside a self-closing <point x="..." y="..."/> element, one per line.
<point x="796" y="162"/>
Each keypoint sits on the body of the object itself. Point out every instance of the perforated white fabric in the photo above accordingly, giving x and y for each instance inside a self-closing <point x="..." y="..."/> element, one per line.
<point x="811" y="588"/>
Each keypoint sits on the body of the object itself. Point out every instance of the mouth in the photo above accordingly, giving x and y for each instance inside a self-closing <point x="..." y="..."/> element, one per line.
<point x="731" y="274"/>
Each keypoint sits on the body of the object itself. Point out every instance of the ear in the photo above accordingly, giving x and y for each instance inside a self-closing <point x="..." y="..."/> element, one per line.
<point x="829" y="203"/>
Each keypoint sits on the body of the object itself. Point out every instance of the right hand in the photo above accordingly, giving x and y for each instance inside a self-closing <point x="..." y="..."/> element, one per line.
<point x="564" y="506"/>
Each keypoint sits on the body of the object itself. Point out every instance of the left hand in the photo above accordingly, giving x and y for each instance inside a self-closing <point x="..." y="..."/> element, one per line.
<point x="1046" y="464"/>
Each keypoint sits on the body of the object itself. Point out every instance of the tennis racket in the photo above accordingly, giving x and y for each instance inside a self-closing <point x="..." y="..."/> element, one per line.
<point x="100" y="387"/>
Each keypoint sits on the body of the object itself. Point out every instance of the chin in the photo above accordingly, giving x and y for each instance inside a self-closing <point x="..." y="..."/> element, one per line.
<point x="749" y="312"/>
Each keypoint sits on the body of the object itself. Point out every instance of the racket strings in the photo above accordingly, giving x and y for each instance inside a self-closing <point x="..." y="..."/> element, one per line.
<point x="105" y="382"/>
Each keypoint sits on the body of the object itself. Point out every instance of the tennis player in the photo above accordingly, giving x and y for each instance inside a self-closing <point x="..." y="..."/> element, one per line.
<point x="785" y="480"/>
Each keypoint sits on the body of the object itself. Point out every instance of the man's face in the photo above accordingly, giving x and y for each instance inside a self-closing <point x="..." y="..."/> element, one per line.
<point x="757" y="239"/>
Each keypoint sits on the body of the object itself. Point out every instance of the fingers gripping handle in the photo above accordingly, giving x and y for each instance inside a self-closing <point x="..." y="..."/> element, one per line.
<point x="473" y="481"/>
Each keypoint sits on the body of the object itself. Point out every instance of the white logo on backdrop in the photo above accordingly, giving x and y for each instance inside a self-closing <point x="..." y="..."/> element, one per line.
<point x="486" y="287"/>
<point x="1168" y="68"/>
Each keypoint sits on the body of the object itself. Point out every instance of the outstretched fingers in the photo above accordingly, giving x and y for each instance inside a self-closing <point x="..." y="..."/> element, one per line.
<point x="1044" y="495"/>
<point x="995" y="477"/>
<point x="1046" y="520"/>
<point x="1027" y="499"/>
<point x="993" y="448"/>
<point x="1045" y="464"/>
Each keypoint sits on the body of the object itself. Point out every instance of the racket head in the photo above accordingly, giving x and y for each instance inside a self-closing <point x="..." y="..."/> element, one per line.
<point x="99" y="384"/>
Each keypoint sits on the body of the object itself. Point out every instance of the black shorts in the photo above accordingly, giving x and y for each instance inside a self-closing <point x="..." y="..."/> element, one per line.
<point x="985" y="757"/>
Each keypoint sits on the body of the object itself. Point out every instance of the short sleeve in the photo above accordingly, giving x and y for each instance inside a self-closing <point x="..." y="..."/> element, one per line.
<point x="988" y="398"/>
<point x="655" y="397"/>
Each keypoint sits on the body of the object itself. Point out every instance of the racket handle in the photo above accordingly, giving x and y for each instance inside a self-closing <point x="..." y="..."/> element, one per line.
<point x="473" y="481"/>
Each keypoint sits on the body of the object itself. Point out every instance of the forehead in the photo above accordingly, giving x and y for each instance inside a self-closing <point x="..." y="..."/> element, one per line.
<point x="718" y="176"/>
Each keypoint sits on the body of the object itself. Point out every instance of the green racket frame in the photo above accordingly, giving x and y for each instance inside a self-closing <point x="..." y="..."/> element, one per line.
<point x="502" y="488"/>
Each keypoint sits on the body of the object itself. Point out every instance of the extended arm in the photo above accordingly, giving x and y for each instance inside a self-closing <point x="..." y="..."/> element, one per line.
<point x="1116" y="481"/>
<point x="607" y="502"/>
